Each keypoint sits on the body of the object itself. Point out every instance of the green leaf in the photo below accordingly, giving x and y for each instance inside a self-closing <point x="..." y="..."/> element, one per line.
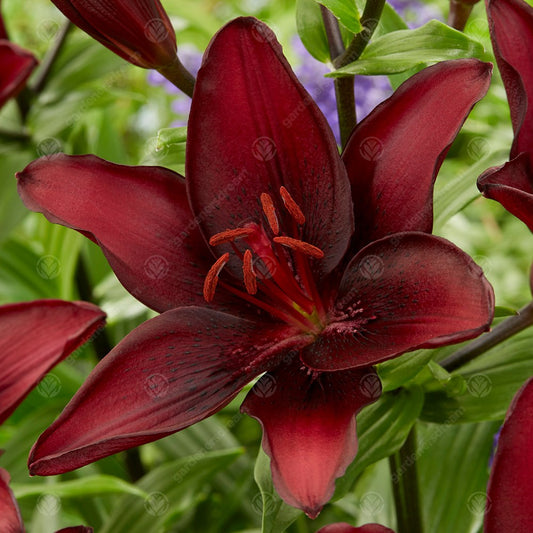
<point x="402" y="50"/>
<point x="311" y="29"/>
<point x="79" y="488"/>
<point x="491" y="382"/>
<point x="172" y="489"/>
<point x="396" y="372"/>
<point x="382" y="429"/>
<point x="454" y="194"/>
<point x="277" y="515"/>
<point x="453" y="470"/>
<point x="500" y="311"/>
<point x="346" y="12"/>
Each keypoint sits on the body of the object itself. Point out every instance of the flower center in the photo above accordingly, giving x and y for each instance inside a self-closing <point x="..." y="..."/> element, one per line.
<point x="276" y="270"/>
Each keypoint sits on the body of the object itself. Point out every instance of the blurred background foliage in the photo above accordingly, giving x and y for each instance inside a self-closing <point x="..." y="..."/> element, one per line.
<point x="202" y="479"/>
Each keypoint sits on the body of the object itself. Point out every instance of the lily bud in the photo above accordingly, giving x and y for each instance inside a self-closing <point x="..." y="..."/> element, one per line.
<point x="139" y="31"/>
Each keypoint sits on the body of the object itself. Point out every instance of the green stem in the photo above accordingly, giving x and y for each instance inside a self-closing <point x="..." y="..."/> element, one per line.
<point x="405" y="487"/>
<point x="369" y="21"/>
<point x="50" y="58"/>
<point x="509" y="327"/>
<point x="343" y="86"/>
<point x="102" y="346"/>
<point x="178" y="75"/>
<point x="459" y="14"/>
<point x="14" y="135"/>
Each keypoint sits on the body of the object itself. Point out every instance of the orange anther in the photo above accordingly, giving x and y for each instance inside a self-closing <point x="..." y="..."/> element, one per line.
<point x="211" y="280"/>
<point x="230" y="235"/>
<point x="291" y="206"/>
<point x="270" y="212"/>
<point x="300" y="246"/>
<point x="250" y="279"/>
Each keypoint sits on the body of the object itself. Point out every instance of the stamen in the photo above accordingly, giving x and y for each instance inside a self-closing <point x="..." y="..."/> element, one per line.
<point x="300" y="246"/>
<point x="250" y="279"/>
<point x="211" y="280"/>
<point x="230" y="235"/>
<point x="292" y="207"/>
<point x="270" y="212"/>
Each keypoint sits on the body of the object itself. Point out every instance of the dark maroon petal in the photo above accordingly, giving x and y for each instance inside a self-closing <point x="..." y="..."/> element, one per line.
<point x="512" y="48"/>
<point x="16" y="65"/>
<point x="169" y="373"/>
<point x="343" y="527"/>
<point x="252" y="129"/>
<point x="410" y="290"/>
<point x="139" y="31"/>
<point x="394" y="155"/>
<point x="34" y="337"/>
<point x="510" y="498"/>
<point x="138" y="215"/>
<point x="10" y="519"/>
<point x="512" y="186"/>
<point x="308" y="425"/>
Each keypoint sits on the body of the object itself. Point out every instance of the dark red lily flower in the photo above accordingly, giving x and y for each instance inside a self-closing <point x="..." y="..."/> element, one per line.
<point x="256" y="267"/>
<point x="16" y="65"/>
<point x="10" y="519"/>
<point x="511" y="30"/>
<point x="34" y="337"/>
<point x="343" y="527"/>
<point x="510" y="498"/>
<point x="139" y="31"/>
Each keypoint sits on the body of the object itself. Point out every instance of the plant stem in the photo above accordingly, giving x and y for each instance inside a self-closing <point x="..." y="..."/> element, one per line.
<point x="344" y="91"/>
<point x="14" y="135"/>
<point x="369" y="21"/>
<point x="50" y="58"/>
<point x="509" y="327"/>
<point x="459" y="13"/>
<point x="405" y="486"/>
<point x="102" y="346"/>
<point x="178" y="75"/>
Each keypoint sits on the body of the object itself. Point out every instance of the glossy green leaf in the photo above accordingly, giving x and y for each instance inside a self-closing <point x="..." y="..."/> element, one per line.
<point x="346" y="12"/>
<point x="405" y="49"/>
<point x="453" y="467"/>
<point x="173" y="489"/>
<point x="398" y="371"/>
<point x="500" y="311"/>
<point x="311" y="29"/>
<point x="277" y="515"/>
<point x="491" y="382"/>
<point x="86" y="486"/>
<point x="382" y="429"/>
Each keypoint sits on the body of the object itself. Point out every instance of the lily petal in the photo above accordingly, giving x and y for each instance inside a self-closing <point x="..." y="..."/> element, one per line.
<point x="139" y="216"/>
<point x="394" y="155"/>
<point x="34" y="337"/>
<point x="10" y="519"/>
<point x="139" y="31"/>
<point x="79" y="529"/>
<point x="308" y="429"/>
<point x="512" y="186"/>
<point x="343" y="527"/>
<point x="280" y="138"/>
<point x="169" y="373"/>
<point x="514" y="62"/>
<point x="16" y="65"/>
<point x="410" y="290"/>
<point x="510" y="499"/>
